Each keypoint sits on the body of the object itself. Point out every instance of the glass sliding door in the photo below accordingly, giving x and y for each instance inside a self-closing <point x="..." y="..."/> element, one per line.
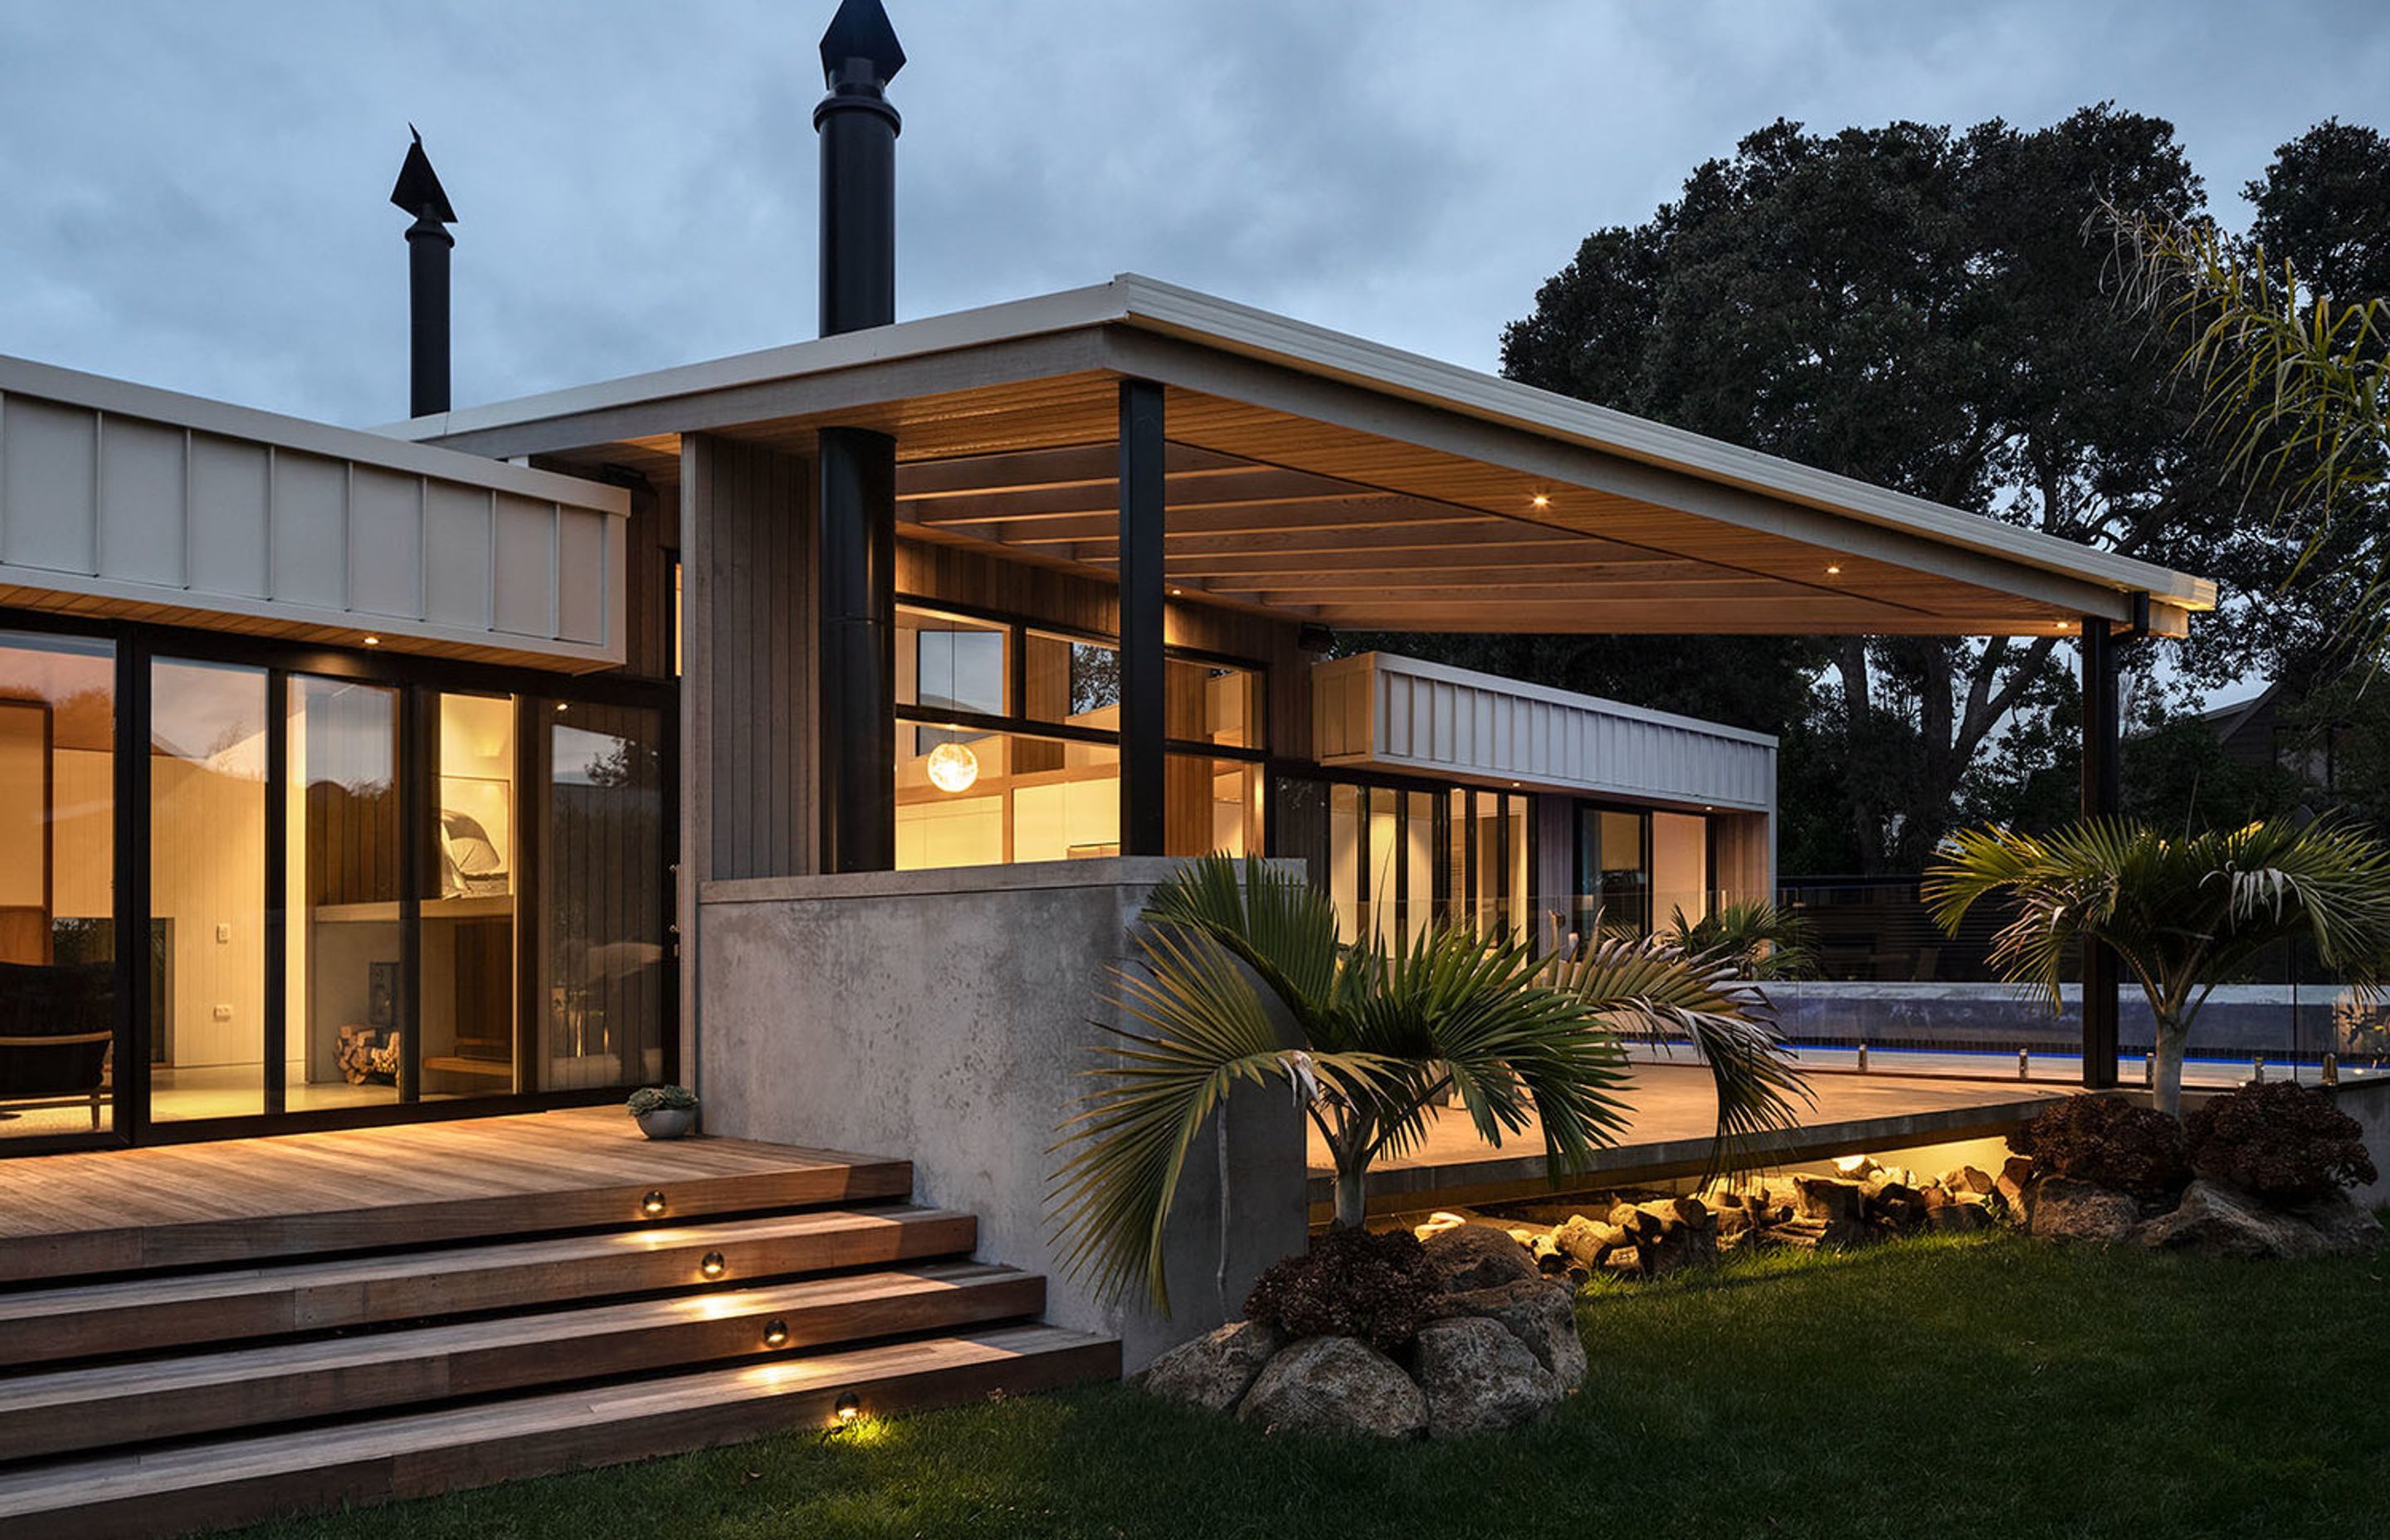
<point x="346" y="995"/>
<point x="466" y="1004"/>
<point x="605" y="975"/>
<point x="59" y="1068"/>
<point x="208" y="762"/>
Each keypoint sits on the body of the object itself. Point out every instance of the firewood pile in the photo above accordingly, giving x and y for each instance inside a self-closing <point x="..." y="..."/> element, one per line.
<point x="1862" y="1202"/>
<point x="368" y="1055"/>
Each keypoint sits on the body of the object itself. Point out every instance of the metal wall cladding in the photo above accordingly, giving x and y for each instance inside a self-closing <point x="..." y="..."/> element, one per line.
<point x="127" y="510"/>
<point x="1405" y="714"/>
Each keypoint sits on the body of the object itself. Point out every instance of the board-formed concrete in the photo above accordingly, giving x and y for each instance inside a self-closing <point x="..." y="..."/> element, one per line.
<point x="951" y="1015"/>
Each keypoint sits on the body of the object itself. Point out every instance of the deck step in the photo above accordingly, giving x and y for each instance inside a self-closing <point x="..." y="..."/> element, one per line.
<point x="217" y="1485"/>
<point x="312" y="1198"/>
<point x="147" y="1315"/>
<point x="151" y="1400"/>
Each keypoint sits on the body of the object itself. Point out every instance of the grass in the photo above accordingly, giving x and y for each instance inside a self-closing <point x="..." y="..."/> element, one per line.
<point x="1943" y="1387"/>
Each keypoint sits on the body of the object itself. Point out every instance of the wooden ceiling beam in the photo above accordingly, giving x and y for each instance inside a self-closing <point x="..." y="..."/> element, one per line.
<point x="1047" y="469"/>
<point x="1354" y="513"/>
<point x="1250" y="486"/>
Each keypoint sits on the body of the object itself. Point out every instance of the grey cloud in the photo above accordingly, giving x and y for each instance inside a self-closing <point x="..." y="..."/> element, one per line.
<point x="196" y="193"/>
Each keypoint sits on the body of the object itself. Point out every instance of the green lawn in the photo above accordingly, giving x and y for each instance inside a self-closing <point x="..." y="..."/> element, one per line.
<point x="1943" y="1387"/>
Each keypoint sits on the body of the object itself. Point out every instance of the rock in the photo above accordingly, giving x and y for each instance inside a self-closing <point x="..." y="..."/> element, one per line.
<point x="1627" y="1259"/>
<point x="1441" y="1221"/>
<point x="2216" y="1221"/>
<point x="2345" y="1229"/>
<point x="1855" y="1167"/>
<point x="1732" y="1222"/>
<point x="1903" y="1206"/>
<point x="1476" y="1378"/>
<point x="1974" y="1179"/>
<point x="2014" y="1177"/>
<point x="1477" y="1256"/>
<point x="1335" y="1385"/>
<point x="1543" y="1319"/>
<point x="1214" y="1371"/>
<point x="2059" y="1208"/>
<point x="1958" y="1216"/>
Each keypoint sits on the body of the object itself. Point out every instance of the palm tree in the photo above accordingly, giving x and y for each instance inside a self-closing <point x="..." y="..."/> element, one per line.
<point x="1370" y="1036"/>
<point x="2295" y="385"/>
<point x="1761" y="939"/>
<point x="2183" y="912"/>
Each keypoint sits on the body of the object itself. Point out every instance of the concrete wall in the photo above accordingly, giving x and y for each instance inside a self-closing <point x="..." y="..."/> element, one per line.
<point x="2367" y="1100"/>
<point x="947" y="1016"/>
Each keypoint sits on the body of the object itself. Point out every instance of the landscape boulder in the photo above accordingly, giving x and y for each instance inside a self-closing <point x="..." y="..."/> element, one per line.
<point x="1336" y="1385"/>
<point x="1477" y="1256"/>
<point x="1477" y="1377"/>
<point x="1541" y="1316"/>
<point x="2219" y="1221"/>
<point x="2059" y="1208"/>
<point x="1214" y="1370"/>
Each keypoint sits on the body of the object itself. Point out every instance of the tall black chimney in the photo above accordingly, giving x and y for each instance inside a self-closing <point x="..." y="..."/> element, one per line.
<point x="856" y="466"/>
<point x="860" y="56"/>
<point x="427" y="245"/>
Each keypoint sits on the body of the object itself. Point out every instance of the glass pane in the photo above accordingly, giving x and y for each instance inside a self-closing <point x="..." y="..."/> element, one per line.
<point x="1345" y="816"/>
<point x="345" y="996"/>
<point x="1460" y="908"/>
<point x="1622" y="887"/>
<point x="467" y="1001"/>
<point x="948" y="663"/>
<point x="58" y="906"/>
<point x="607" y="878"/>
<point x="1419" y="854"/>
<point x="1385" y="866"/>
<point x="1212" y="704"/>
<point x="1072" y="681"/>
<point x="1680" y="866"/>
<point x="207" y="888"/>
<point x="1213" y="804"/>
<point x="973" y="798"/>
<point x="1493" y="848"/>
<point x="1519" y="871"/>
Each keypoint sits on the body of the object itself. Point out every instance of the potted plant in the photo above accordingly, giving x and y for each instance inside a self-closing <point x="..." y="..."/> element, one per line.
<point x="665" y="1111"/>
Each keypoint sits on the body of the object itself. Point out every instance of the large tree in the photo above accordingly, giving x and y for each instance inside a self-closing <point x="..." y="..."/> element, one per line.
<point x="1920" y="308"/>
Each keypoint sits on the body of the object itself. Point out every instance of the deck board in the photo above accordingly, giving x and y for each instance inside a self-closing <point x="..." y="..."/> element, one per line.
<point x="125" y="1210"/>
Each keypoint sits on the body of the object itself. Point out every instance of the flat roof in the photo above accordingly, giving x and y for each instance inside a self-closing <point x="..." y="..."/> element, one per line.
<point x="1456" y="499"/>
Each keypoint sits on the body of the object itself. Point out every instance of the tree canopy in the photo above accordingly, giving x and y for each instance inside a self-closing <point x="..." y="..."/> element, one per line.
<point x="1933" y="310"/>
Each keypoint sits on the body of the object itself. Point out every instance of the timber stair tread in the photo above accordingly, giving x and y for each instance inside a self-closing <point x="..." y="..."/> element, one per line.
<point x="148" y="1400"/>
<point x="186" y="1487"/>
<point x="147" y="1313"/>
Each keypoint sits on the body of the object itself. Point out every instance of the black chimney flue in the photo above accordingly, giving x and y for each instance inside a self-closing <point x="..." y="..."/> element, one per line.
<point x="428" y="244"/>
<point x="860" y="56"/>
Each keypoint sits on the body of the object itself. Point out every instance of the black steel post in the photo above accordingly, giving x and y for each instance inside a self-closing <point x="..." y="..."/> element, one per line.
<point x="858" y="128"/>
<point x="1144" y="815"/>
<point x="428" y="244"/>
<point x="855" y="466"/>
<point x="2102" y="797"/>
<point x="857" y="483"/>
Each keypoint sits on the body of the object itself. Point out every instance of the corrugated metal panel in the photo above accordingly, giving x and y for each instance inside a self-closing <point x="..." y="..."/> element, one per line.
<point x="1400" y="713"/>
<point x="118" y="499"/>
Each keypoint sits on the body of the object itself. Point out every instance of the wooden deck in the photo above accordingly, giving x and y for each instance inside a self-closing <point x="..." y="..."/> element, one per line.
<point x="103" y="1212"/>
<point x="205" y="1335"/>
<point x="1673" y="1113"/>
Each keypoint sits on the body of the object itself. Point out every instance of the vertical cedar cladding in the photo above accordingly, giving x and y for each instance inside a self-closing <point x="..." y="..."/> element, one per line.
<point x="749" y="530"/>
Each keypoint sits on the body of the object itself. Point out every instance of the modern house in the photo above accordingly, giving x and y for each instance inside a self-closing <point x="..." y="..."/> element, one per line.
<point x="808" y="726"/>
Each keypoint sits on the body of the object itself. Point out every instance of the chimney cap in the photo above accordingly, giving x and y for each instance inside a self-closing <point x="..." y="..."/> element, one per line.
<point x="418" y="190"/>
<point x="861" y="31"/>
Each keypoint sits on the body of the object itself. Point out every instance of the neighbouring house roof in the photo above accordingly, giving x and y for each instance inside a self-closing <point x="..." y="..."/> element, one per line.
<point x="1322" y="477"/>
<point x="125" y="501"/>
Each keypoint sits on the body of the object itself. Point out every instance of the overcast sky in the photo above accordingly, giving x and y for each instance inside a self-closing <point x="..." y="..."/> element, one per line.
<point x="194" y="194"/>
